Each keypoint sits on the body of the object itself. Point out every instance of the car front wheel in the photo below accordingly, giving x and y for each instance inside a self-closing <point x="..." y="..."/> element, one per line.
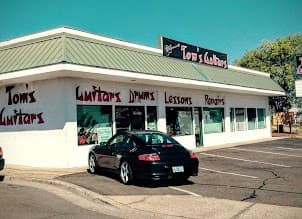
<point x="126" y="173"/>
<point x="92" y="164"/>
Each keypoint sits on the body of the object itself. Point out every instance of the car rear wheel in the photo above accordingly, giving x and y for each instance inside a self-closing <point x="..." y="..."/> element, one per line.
<point x="92" y="164"/>
<point x="126" y="173"/>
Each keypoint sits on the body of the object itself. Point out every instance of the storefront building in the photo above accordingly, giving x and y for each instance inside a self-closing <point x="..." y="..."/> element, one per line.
<point x="63" y="90"/>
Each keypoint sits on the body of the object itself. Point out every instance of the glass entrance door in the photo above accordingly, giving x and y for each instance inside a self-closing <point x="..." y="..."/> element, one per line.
<point x="198" y="126"/>
<point x="129" y="118"/>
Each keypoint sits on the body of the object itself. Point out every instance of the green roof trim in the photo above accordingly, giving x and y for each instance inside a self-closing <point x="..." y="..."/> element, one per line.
<point x="200" y="72"/>
<point x="73" y="49"/>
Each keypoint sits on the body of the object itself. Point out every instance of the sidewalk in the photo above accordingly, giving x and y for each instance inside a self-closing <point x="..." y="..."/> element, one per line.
<point x="30" y="173"/>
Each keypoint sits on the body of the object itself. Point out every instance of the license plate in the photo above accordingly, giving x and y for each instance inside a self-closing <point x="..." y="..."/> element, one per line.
<point x="178" y="169"/>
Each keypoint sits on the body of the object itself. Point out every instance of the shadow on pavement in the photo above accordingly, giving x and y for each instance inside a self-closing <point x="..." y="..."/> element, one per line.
<point x="147" y="183"/>
<point x="88" y="177"/>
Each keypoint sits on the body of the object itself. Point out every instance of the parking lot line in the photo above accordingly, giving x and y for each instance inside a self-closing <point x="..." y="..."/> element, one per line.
<point x="185" y="191"/>
<point x="291" y="149"/>
<point x="230" y="173"/>
<point x="264" y="152"/>
<point x="251" y="161"/>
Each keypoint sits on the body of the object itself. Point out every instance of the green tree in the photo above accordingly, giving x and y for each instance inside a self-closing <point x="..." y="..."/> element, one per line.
<point x="277" y="58"/>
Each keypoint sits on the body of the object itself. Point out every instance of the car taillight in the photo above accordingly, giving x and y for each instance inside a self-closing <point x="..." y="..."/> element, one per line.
<point x="193" y="155"/>
<point x="1" y="151"/>
<point x="149" y="157"/>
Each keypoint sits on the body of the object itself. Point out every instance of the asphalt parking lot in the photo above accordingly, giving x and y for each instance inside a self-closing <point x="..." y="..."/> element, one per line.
<point x="268" y="172"/>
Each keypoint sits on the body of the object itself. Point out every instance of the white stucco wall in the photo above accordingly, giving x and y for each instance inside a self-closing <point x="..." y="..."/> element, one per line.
<point x="53" y="143"/>
<point x="241" y="101"/>
<point x="45" y="144"/>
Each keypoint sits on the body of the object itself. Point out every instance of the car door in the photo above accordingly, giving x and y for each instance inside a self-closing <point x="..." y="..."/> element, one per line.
<point x="121" y="150"/>
<point x="109" y="155"/>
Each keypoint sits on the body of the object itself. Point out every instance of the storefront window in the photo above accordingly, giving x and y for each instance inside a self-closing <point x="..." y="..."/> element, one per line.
<point x="232" y="118"/>
<point x="151" y="118"/>
<point x="240" y="119"/>
<point x="179" y="120"/>
<point x="213" y="120"/>
<point x="261" y="118"/>
<point x="94" y="124"/>
<point x="129" y="118"/>
<point x="251" y="118"/>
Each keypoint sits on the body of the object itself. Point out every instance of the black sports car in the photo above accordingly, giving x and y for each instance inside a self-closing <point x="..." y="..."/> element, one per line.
<point x="143" y="155"/>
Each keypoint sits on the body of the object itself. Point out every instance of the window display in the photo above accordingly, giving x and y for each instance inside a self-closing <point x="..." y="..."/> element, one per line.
<point x="94" y="124"/>
<point x="213" y="120"/>
<point x="179" y="120"/>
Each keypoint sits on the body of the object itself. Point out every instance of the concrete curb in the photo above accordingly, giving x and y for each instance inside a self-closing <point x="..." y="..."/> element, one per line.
<point x="68" y="186"/>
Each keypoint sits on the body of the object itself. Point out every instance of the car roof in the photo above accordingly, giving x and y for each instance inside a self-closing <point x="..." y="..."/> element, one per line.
<point x="140" y="132"/>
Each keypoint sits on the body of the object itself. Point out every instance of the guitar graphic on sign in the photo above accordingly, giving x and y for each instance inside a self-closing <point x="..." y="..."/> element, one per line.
<point x="169" y="48"/>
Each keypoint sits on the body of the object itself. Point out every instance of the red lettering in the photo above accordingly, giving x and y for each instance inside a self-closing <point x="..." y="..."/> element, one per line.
<point x="97" y="95"/>
<point x="16" y="99"/>
<point x="194" y="56"/>
<point x="2" y="120"/>
<point x="79" y="96"/>
<point x="188" y="56"/>
<point x="117" y="97"/>
<point x="183" y="49"/>
<point x="32" y="97"/>
<point x="106" y="96"/>
<point x="25" y="97"/>
<point x="40" y="118"/>
<point x="20" y="118"/>
<point x="27" y="119"/>
<point x="152" y="96"/>
<point x="214" y="101"/>
<point x="200" y="58"/>
<point x="177" y="100"/>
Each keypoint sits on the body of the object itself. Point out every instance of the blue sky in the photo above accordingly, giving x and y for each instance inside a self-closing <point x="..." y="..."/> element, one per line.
<point x="230" y="26"/>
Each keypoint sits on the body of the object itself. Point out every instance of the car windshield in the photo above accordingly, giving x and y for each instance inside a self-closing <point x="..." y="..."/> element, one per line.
<point x="156" y="139"/>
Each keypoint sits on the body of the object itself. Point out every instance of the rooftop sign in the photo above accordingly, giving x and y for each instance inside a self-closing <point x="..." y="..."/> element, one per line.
<point x="184" y="51"/>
